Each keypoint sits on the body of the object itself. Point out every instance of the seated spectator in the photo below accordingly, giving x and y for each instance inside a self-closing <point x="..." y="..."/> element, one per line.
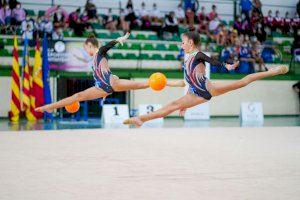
<point x="213" y="14"/>
<point x="171" y="24"/>
<point x="58" y="34"/>
<point x="180" y="15"/>
<point x="296" y="21"/>
<point x="27" y="24"/>
<point x="278" y="21"/>
<point x="213" y="28"/>
<point x="7" y="15"/>
<point x="255" y="47"/>
<point x="123" y="22"/>
<point x="246" y="26"/>
<point x="59" y="19"/>
<point x="203" y="21"/>
<point x="233" y="36"/>
<point x="155" y="15"/>
<point x="260" y="33"/>
<point x="28" y="34"/>
<point x="190" y="10"/>
<point x="109" y="22"/>
<point x="190" y="16"/>
<point x="287" y="23"/>
<point x="18" y="15"/>
<point x="269" y="20"/>
<point x="46" y="27"/>
<point x="91" y="10"/>
<point x="144" y="17"/>
<point x="238" y="25"/>
<point x="130" y="16"/>
<point x="257" y="7"/>
<point x="245" y="55"/>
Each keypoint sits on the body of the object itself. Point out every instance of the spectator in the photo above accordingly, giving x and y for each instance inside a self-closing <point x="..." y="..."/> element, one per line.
<point x="246" y="26"/>
<point x="144" y="17"/>
<point x="203" y="21"/>
<point x="46" y="27"/>
<point x="75" y="22"/>
<point x="179" y="13"/>
<point x="238" y="25"/>
<point x="278" y="21"/>
<point x="130" y="17"/>
<point x="12" y="4"/>
<point x="27" y="24"/>
<point x="246" y="7"/>
<point x="91" y="10"/>
<point x="257" y="7"/>
<point x="155" y="14"/>
<point x="18" y="15"/>
<point x="171" y="24"/>
<point x="109" y="22"/>
<point x="190" y="16"/>
<point x="214" y="28"/>
<point x="7" y="15"/>
<point x="59" y="20"/>
<point x="123" y="22"/>
<point x="58" y="34"/>
<point x="28" y="34"/>
<point x="287" y="23"/>
<point x="213" y="14"/>
<point x="269" y="20"/>
<point x="255" y="47"/>
<point x="296" y="21"/>
<point x="260" y="32"/>
<point x="129" y="5"/>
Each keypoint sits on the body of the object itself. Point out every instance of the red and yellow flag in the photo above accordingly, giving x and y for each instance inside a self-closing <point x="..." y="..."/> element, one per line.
<point x="27" y="85"/>
<point x="15" y="105"/>
<point x="36" y="84"/>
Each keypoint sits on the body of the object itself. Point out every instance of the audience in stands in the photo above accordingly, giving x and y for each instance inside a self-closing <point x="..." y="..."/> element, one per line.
<point x="109" y="22"/>
<point x="58" y="34"/>
<point x="203" y="21"/>
<point x="91" y="9"/>
<point x="125" y="24"/>
<point x="18" y="15"/>
<point x="76" y="22"/>
<point x="180" y="15"/>
<point x="171" y="24"/>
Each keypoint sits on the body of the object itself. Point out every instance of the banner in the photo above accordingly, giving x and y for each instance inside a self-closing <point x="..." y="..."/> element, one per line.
<point x="69" y="56"/>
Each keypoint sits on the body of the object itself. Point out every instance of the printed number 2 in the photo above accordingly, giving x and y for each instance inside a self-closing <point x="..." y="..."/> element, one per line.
<point x="150" y="109"/>
<point x="116" y="110"/>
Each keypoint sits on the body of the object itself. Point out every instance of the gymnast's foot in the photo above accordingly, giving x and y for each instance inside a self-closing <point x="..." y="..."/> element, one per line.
<point x="45" y="108"/>
<point x="283" y="69"/>
<point x="177" y="83"/>
<point x="134" y="121"/>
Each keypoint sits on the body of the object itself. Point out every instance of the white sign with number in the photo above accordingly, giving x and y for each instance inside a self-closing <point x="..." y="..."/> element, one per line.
<point x="251" y="114"/>
<point x="145" y="109"/>
<point x="114" y="114"/>
<point x="199" y="112"/>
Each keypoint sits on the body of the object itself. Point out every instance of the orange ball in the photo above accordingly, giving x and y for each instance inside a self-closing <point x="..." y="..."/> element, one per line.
<point x="73" y="108"/>
<point x="157" y="81"/>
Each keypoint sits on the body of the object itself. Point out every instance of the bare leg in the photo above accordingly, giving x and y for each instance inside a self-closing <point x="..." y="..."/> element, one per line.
<point x="126" y="85"/>
<point x="218" y="89"/>
<point x="88" y="94"/>
<point x="187" y="101"/>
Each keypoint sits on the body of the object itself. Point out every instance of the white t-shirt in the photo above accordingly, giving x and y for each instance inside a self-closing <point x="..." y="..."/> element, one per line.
<point x="155" y="13"/>
<point x="143" y="13"/>
<point x="179" y="13"/>
<point x="28" y="35"/>
<point x="213" y="25"/>
<point x="25" y="23"/>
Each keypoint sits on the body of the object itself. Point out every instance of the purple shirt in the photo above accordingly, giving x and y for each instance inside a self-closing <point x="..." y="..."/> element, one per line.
<point x="18" y="14"/>
<point x="7" y="13"/>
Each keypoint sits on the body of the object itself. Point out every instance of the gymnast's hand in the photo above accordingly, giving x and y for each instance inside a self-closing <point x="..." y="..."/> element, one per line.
<point x="233" y="66"/>
<point x="122" y="39"/>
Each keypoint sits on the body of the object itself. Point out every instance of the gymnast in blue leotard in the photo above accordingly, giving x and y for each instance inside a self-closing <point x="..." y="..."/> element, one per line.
<point x="105" y="82"/>
<point x="200" y="88"/>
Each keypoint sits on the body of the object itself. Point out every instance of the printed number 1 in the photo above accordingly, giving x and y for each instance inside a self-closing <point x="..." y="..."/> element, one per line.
<point x="116" y="110"/>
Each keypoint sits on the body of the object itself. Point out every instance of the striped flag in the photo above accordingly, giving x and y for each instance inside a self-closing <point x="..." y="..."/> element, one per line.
<point x="36" y="84"/>
<point x="46" y="77"/>
<point x="15" y="104"/>
<point x="27" y="85"/>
